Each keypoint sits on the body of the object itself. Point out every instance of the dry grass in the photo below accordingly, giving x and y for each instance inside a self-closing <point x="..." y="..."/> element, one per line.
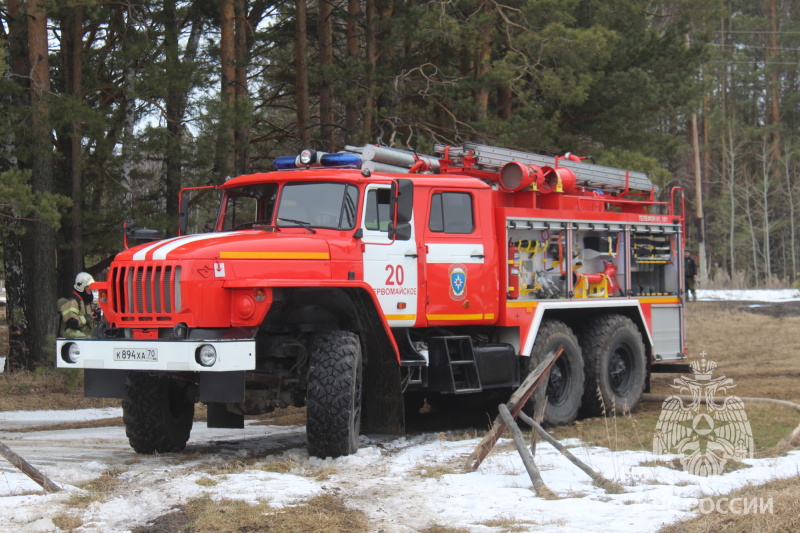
<point x="291" y="416"/>
<point x="324" y="513"/>
<point x="98" y="489"/>
<point x="436" y="471"/>
<point x="761" y="353"/>
<point x="785" y="517"/>
<point x="506" y="524"/>
<point x="444" y="529"/>
<point x="46" y="389"/>
<point x="67" y="521"/>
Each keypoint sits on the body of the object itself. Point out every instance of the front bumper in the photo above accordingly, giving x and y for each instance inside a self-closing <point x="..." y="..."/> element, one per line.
<point x="172" y="356"/>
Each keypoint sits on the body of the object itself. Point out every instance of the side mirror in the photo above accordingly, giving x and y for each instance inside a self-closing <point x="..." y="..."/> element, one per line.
<point x="183" y="214"/>
<point x="401" y="208"/>
<point x="138" y="236"/>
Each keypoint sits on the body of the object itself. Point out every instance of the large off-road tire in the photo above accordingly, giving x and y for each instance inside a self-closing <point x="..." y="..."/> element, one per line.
<point x="615" y="365"/>
<point x="333" y="403"/>
<point x="564" y="385"/>
<point x="158" y="412"/>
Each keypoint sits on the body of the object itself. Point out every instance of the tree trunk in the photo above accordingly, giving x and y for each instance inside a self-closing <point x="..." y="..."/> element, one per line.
<point x="176" y="99"/>
<point x="16" y="301"/>
<point x="71" y="257"/>
<point x="242" y="97"/>
<point x="371" y="48"/>
<point x="351" y="98"/>
<point x="483" y="63"/>
<point x="326" y="63"/>
<point x="788" y="174"/>
<point x="173" y="155"/>
<point x="505" y="97"/>
<point x="228" y="78"/>
<point x="775" y="86"/>
<point x="301" y="73"/>
<point x="39" y="252"/>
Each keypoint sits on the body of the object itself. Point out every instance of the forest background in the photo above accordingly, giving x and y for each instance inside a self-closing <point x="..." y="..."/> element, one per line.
<point x="108" y="109"/>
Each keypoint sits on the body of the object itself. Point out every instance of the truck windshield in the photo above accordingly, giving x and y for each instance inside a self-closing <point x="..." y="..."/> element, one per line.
<point x="321" y="205"/>
<point x="246" y="207"/>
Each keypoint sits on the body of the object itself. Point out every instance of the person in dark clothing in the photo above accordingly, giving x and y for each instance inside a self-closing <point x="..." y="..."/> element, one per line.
<point x="79" y="314"/>
<point x="690" y="274"/>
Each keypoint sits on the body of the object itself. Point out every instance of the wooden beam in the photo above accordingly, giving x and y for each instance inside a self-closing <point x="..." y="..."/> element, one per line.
<point x="598" y="479"/>
<point x="28" y="469"/>
<point x="514" y="405"/>
<point x="527" y="459"/>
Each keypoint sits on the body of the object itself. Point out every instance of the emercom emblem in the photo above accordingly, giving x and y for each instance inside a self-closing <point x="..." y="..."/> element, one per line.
<point x="708" y="430"/>
<point x="458" y="282"/>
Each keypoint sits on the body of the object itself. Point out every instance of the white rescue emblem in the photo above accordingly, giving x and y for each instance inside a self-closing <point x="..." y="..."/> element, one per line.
<point x="458" y="281"/>
<point x="705" y="433"/>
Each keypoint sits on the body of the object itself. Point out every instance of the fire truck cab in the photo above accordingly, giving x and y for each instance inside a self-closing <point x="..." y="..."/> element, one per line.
<point x="347" y="282"/>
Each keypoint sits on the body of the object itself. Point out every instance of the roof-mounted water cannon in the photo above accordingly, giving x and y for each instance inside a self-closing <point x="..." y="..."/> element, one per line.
<point x="517" y="176"/>
<point x="560" y="179"/>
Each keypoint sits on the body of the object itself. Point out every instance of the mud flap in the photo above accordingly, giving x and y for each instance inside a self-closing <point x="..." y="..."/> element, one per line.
<point x="222" y="386"/>
<point x="102" y="383"/>
<point x="382" y="409"/>
<point x="220" y="417"/>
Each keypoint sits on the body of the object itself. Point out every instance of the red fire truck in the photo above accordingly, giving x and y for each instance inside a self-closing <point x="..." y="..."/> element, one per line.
<point x="347" y="282"/>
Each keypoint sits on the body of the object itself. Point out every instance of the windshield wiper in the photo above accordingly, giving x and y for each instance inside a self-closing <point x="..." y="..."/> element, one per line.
<point x="301" y="223"/>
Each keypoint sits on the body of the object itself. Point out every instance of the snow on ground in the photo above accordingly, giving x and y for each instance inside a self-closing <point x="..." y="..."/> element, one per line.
<point x="388" y="479"/>
<point x="749" y="295"/>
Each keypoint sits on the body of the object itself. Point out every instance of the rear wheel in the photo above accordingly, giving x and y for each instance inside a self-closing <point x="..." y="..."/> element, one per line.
<point x="333" y="406"/>
<point x="158" y="412"/>
<point x="564" y="385"/>
<point x="615" y="365"/>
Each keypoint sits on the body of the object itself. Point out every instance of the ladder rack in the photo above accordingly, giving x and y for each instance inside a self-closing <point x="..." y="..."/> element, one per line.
<point x="609" y="179"/>
<point x="492" y="159"/>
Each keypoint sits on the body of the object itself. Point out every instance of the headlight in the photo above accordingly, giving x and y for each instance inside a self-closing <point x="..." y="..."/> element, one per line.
<point x="206" y="355"/>
<point x="70" y="352"/>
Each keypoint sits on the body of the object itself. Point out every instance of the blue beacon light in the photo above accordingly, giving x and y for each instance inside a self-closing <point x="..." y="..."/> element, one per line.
<point x="341" y="159"/>
<point x="285" y="162"/>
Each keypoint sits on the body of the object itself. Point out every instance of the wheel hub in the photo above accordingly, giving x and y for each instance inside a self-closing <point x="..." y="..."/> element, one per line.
<point x="557" y="384"/>
<point x="619" y="371"/>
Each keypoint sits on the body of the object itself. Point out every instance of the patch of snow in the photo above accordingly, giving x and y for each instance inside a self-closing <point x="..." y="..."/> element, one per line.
<point x="749" y="295"/>
<point x="393" y="481"/>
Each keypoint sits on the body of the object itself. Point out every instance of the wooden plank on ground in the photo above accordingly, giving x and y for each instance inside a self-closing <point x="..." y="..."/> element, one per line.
<point x="28" y="469"/>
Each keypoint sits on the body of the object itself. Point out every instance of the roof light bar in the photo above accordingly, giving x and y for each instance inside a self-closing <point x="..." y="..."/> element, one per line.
<point x="310" y="158"/>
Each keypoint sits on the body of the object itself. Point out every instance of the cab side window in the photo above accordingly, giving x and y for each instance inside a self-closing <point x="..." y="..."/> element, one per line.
<point x="377" y="216"/>
<point x="451" y="212"/>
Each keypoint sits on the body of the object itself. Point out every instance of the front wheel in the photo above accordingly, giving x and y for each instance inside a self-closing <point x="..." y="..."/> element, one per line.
<point x="615" y="363"/>
<point x="158" y="412"/>
<point x="333" y="404"/>
<point x="564" y="386"/>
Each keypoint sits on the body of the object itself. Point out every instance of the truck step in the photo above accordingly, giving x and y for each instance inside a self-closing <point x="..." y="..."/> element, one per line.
<point x="456" y="368"/>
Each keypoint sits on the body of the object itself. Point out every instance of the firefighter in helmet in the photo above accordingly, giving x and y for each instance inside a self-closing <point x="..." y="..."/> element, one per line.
<point x="79" y="314"/>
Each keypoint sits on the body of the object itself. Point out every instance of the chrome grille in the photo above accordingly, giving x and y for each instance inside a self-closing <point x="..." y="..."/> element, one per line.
<point x="146" y="290"/>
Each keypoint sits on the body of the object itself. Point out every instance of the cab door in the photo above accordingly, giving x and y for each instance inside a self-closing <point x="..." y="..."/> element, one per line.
<point x="460" y="277"/>
<point x="390" y="266"/>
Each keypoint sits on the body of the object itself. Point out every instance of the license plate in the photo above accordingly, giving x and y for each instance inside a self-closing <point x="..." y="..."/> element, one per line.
<point x="135" y="354"/>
